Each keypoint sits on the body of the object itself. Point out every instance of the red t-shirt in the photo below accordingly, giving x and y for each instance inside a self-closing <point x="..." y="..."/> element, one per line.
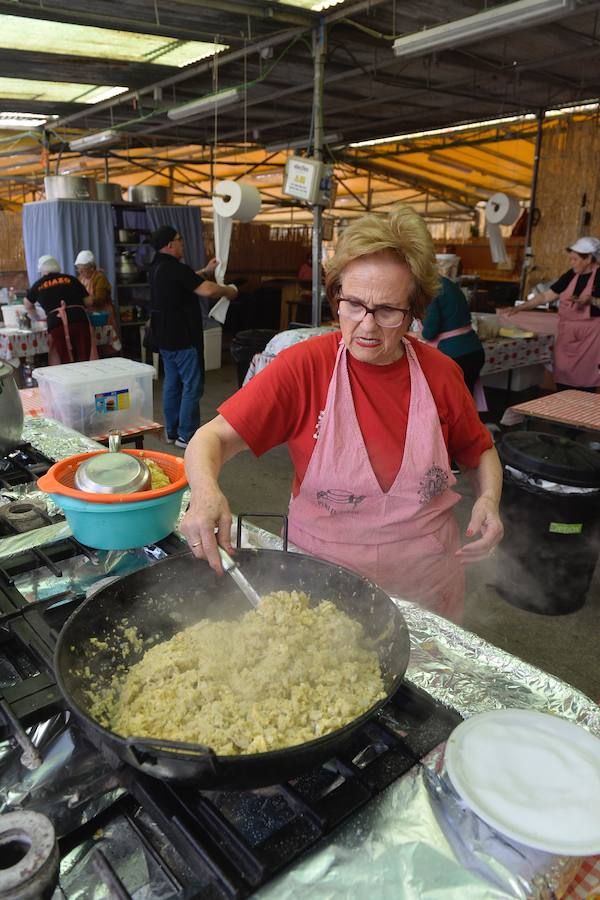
<point x="282" y="404"/>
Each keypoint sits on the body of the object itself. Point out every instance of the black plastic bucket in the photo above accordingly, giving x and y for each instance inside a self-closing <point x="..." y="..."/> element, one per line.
<point x="552" y="538"/>
<point x="245" y="344"/>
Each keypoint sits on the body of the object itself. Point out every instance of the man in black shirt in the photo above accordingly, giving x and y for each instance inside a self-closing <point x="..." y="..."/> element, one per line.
<point x="177" y="330"/>
<point x="62" y="298"/>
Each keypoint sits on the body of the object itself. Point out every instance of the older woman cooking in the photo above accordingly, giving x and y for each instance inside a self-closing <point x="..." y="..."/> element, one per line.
<point x="577" y="347"/>
<point x="370" y="421"/>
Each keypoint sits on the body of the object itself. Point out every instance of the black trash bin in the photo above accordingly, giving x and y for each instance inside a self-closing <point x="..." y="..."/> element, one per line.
<point x="245" y="344"/>
<point x="552" y="532"/>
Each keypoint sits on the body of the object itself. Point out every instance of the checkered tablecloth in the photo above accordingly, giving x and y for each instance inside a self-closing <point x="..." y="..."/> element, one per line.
<point x="27" y="344"/>
<point x="576" y="408"/>
<point x="31" y="402"/>
<point x="502" y="354"/>
<point x="586" y="884"/>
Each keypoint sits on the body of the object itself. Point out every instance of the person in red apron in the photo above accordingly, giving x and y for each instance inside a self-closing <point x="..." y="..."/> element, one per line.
<point x="370" y="420"/>
<point x="577" y="345"/>
<point x="62" y="299"/>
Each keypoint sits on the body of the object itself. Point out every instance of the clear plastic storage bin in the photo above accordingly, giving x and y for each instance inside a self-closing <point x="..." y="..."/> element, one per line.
<point x="94" y="397"/>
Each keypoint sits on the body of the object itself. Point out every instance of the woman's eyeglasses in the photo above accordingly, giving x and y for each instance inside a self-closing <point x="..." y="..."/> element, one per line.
<point x="385" y="316"/>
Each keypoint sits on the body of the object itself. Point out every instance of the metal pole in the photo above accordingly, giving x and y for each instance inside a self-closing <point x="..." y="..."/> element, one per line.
<point x="106" y="170"/>
<point x="317" y="228"/>
<point x="528" y="256"/>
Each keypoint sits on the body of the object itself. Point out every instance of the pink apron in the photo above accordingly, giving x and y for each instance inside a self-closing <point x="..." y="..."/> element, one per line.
<point x="444" y="335"/>
<point x="53" y="355"/>
<point x="577" y="348"/>
<point x="478" y="389"/>
<point x="405" y="539"/>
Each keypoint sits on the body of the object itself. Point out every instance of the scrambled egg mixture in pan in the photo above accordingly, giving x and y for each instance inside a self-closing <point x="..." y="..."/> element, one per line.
<point x="282" y="675"/>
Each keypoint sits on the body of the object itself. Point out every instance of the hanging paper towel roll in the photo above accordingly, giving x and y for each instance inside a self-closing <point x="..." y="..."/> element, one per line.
<point x="500" y="209"/>
<point x="236" y="200"/>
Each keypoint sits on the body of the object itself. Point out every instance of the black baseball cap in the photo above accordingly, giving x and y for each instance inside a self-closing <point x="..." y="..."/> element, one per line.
<point x="162" y="236"/>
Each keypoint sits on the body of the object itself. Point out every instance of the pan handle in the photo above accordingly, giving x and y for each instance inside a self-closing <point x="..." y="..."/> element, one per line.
<point x="238" y="537"/>
<point x="148" y="752"/>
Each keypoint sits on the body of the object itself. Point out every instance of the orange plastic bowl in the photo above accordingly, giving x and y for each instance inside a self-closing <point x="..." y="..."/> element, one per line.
<point x="60" y="478"/>
<point x="118" y="521"/>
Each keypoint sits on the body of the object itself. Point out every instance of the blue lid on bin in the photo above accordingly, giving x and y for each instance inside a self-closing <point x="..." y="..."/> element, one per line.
<point x="551" y="457"/>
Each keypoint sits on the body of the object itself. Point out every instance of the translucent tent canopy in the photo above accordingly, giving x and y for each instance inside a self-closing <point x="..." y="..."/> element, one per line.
<point x="25" y="34"/>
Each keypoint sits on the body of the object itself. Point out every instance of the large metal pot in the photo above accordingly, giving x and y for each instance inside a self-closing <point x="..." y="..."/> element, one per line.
<point x="181" y="590"/>
<point x="127" y="269"/>
<point x="11" y="410"/>
<point x="69" y="187"/>
<point x="150" y="194"/>
<point x="109" y="191"/>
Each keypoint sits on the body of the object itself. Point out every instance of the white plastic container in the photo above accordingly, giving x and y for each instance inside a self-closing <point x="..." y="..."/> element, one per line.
<point x="94" y="397"/>
<point x="11" y="314"/>
<point x="213" y="341"/>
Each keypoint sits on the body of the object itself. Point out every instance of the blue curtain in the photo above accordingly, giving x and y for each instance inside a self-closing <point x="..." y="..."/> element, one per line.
<point x="62" y="228"/>
<point x="187" y="220"/>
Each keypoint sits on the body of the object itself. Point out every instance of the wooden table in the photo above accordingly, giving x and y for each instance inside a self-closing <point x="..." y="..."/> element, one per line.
<point x="31" y="402"/>
<point x="291" y="291"/>
<point x="576" y="409"/>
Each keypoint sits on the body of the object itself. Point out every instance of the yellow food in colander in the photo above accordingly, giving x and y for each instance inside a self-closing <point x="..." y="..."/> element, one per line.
<point x="158" y="475"/>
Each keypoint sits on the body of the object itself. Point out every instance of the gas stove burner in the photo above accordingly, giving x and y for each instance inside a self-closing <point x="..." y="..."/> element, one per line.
<point x="24" y="517"/>
<point x="28" y="856"/>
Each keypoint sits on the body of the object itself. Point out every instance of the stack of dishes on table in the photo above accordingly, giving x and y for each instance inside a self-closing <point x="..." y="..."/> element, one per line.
<point x="533" y="777"/>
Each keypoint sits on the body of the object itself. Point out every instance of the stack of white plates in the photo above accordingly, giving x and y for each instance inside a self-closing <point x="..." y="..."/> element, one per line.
<point x="531" y="776"/>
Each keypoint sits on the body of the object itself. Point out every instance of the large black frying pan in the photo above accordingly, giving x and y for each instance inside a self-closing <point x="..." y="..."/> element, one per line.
<point x="179" y="591"/>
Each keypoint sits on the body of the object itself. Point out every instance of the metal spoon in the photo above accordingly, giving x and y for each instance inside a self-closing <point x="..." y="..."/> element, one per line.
<point x="232" y="568"/>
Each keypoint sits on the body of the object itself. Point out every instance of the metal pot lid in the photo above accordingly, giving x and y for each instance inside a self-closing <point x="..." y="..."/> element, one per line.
<point x="112" y="473"/>
<point x="551" y="457"/>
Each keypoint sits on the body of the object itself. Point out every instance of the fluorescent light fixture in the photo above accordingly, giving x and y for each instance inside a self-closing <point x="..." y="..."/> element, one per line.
<point x="588" y="106"/>
<point x="448" y="129"/>
<point x="23" y="120"/>
<point x="449" y="163"/>
<point x="313" y="5"/>
<point x="301" y="143"/>
<point x="99" y="139"/>
<point x="494" y="22"/>
<point x="205" y="104"/>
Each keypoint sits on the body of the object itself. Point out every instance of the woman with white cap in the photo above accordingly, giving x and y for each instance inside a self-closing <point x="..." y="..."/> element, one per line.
<point x="96" y="284"/>
<point x="577" y="347"/>
<point x="62" y="297"/>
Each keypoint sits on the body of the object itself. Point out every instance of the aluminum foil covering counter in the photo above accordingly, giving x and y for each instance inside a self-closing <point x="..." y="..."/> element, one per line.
<point x="56" y="440"/>
<point x="417" y="839"/>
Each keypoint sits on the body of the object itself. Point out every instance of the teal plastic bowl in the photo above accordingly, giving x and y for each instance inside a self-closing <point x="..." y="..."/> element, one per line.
<point x="99" y="318"/>
<point x="121" y="526"/>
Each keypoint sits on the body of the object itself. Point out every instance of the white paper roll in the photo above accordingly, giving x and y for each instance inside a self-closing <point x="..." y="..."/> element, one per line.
<point x="502" y="209"/>
<point x="497" y="245"/>
<point x="236" y="200"/>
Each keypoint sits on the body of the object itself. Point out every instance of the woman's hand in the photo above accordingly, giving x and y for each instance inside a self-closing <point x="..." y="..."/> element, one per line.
<point x="512" y="310"/>
<point x="485" y="520"/>
<point x="208" y="521"/>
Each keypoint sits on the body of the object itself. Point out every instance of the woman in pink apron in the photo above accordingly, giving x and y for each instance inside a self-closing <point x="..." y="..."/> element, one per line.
<point x="369" y="421"/>
<point x="577" y="346"/>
